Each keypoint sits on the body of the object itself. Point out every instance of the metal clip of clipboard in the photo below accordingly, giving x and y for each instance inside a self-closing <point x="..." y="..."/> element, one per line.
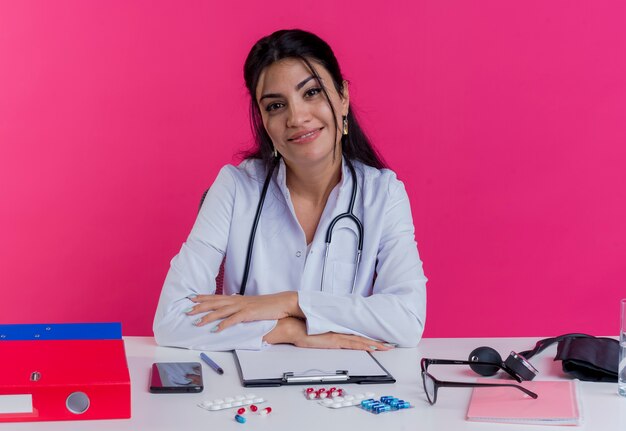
<point x="339" y="376"/>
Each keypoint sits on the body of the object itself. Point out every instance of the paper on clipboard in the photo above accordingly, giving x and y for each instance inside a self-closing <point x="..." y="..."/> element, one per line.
<point x="274" y="361"/>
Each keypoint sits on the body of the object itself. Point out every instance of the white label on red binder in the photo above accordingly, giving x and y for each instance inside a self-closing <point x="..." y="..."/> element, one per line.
<point x="12" y="404"/>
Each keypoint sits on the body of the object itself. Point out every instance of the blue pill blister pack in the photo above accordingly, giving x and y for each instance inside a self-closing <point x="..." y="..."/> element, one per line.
<point x="385" y="404"/>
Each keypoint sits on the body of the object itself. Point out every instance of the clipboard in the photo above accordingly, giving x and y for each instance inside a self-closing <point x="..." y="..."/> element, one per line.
<point x="283" y="364"/>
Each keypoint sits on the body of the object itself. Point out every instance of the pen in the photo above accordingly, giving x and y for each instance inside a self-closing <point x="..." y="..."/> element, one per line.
<point x="211" y="364"/>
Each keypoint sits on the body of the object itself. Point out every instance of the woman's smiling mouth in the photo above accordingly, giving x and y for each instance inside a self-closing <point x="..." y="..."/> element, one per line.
<point x="305" y="137"/>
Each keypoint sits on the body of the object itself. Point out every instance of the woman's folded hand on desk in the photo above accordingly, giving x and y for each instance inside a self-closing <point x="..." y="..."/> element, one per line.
<point x="236" y="308"/>
<point x="292" y="330"/>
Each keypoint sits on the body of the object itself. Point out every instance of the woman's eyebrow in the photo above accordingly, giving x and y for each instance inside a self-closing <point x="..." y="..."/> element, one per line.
<point x="303" y="83"/>
<point x="298" y="87"/>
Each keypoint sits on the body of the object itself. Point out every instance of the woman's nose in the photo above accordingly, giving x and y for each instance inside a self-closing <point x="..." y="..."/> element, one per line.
<point x="298" y="114"/>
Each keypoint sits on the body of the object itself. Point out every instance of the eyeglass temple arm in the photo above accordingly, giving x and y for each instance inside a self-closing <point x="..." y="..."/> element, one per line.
<point x="427" y="361"/>
<point x="472" y="385"/>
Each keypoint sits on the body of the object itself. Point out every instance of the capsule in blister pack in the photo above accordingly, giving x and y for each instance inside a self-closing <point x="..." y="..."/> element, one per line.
<point x="230" y="402"/>
<point x="348" y="400"/>
<point x="323" y="393"/>
<point x="386" y="403"/>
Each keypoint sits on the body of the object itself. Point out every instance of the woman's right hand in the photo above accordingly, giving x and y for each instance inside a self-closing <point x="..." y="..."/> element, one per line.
<point x="291" y="330"/>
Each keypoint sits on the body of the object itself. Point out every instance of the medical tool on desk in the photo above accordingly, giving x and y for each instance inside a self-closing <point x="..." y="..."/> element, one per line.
<point x="329" y="232"/>
<point x="584" y="356"/>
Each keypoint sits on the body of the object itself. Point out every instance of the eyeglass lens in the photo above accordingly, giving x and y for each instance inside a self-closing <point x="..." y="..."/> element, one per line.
<point x="430" y="388"/>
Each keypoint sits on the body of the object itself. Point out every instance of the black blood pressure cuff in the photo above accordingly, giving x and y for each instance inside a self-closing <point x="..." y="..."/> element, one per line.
<point x="590" y="359"/>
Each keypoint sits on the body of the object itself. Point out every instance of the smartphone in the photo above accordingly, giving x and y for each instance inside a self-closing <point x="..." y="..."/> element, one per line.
<point x="176" y="377"/>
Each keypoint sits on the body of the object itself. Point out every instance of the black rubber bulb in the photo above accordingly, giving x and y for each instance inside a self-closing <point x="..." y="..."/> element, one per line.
<point x="485" y="354"/>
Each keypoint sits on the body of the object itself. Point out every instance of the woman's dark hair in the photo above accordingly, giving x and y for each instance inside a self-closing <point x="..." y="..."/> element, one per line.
<point x="309" y="48"/>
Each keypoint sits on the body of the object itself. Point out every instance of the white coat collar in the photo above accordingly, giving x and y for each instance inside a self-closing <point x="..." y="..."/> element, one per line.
<point x="281" y="176"/>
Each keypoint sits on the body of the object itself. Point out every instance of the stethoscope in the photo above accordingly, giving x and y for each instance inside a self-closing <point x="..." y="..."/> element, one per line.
<point x="329" y="232"/>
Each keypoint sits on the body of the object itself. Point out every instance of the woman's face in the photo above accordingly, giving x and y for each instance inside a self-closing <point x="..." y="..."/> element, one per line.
<point x="296" y="113"/>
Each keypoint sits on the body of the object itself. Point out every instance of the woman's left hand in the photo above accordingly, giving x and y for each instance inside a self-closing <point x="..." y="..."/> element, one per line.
<point x="236" y="308"/>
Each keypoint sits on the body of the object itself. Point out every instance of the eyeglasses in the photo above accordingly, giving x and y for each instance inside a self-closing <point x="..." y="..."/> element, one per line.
<point x="432" y="385"/>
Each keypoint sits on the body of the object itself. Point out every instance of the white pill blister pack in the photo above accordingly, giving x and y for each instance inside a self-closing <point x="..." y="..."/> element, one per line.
<point x="346" y="401"/>
<point x="231" y="402"/>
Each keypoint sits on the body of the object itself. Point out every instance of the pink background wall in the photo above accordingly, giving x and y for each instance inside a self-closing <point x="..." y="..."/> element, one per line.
<point x="506" y="122"/>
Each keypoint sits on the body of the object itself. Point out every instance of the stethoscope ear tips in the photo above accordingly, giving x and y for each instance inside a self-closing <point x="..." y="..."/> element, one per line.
<point x="485" y="354"/>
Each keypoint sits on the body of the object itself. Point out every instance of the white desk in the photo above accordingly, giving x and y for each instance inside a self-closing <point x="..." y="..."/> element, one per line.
<point x="603" y="409"/>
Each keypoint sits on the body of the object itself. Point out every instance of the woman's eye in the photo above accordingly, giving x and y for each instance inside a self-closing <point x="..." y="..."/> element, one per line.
<point x="273" y="106"/>
<point x="313" y="92"/>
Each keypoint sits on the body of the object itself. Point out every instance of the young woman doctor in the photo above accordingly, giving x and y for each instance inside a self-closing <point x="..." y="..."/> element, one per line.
<point x="316" y="235"/>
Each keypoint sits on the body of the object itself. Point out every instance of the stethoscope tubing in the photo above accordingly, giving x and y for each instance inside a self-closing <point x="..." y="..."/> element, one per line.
<point x="349" y="215"/>
<point x="329" y="232"/>
<point x="255" y="224"/>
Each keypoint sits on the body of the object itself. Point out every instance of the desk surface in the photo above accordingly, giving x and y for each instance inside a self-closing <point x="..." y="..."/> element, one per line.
<point x="603" y="409"/>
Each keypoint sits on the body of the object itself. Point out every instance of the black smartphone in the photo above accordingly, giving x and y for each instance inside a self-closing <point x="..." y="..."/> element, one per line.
<point x="176" y="377"/>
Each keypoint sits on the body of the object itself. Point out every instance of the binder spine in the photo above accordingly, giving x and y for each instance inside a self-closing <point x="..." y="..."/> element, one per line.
<point x="61" y="331"/>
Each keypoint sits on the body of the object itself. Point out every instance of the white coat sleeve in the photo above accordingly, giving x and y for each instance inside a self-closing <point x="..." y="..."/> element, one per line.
<point x="396" y="310"/>
<point x="193" y="271"/>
